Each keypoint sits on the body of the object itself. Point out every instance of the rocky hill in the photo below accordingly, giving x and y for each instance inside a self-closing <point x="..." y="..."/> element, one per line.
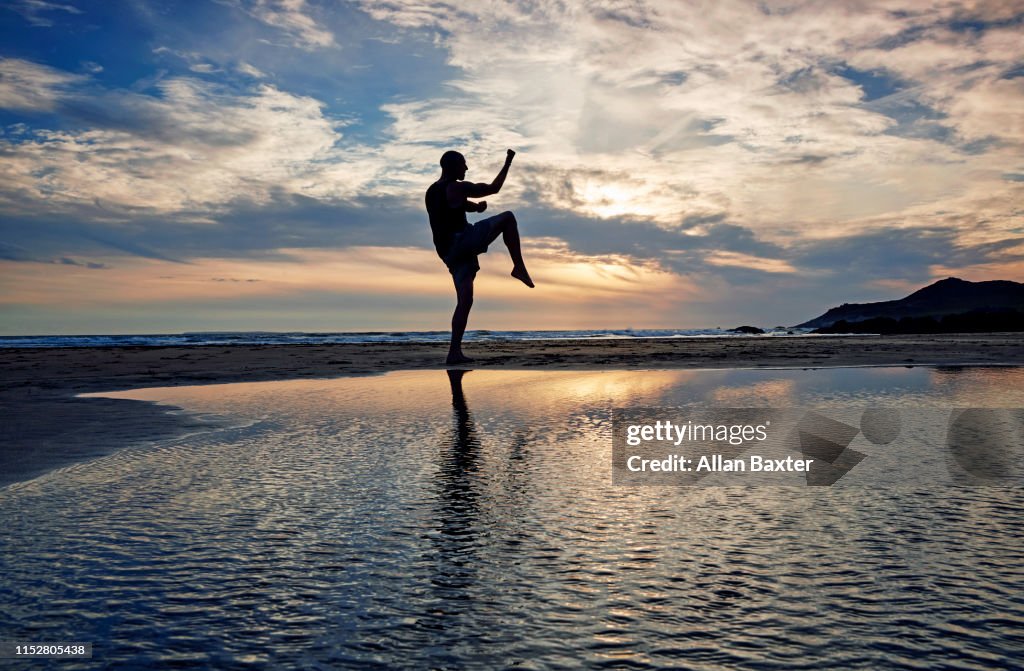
<point x="951" y="296"/>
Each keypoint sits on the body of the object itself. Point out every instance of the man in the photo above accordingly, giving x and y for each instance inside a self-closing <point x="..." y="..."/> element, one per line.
<point x="458" y="242"/>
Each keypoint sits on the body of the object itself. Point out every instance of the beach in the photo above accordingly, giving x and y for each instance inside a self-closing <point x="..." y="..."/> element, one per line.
<point x="46" y="426"/>
<point x="74" y="370"/>
<point x="472" y="519"/>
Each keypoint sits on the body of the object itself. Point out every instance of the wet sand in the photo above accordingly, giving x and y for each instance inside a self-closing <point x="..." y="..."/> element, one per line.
<point x="46" y="427"/>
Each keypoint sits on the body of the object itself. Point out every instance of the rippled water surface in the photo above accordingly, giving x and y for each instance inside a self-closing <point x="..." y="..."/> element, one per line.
<point x="421" y="520"/>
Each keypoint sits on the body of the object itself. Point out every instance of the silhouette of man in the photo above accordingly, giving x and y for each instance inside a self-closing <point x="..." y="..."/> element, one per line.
<point x="458" y="242"/>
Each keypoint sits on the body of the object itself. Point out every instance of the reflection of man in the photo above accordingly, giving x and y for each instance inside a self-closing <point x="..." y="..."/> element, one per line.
<point x="466" y="443"/>
<point x="459" y="478"/>
<point x="458" y="242"/>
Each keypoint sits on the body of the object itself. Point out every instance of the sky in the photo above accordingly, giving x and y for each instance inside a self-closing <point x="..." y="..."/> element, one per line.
<point x="261" y="164"/>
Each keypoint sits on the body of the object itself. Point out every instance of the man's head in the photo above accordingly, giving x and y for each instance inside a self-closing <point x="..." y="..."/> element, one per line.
<point x="453" y="164"/>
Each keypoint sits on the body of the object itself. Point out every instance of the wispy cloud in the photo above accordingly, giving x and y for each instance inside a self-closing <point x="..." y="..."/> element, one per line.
<point x="250" y="70"/>
<point x="293" y="18"/>
<point x="738" y="260"/>
<point x="39" y="13"/>
<point x="32" y="87"/>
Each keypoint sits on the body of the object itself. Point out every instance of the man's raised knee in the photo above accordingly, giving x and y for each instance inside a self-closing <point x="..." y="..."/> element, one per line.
<point x="508" y="219"/>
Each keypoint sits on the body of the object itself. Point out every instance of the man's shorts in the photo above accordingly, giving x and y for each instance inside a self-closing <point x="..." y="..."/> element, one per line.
<point x="466" y="246"/>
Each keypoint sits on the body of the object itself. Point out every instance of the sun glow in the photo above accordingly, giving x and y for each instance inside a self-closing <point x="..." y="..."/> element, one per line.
<point x="610" y="200"/>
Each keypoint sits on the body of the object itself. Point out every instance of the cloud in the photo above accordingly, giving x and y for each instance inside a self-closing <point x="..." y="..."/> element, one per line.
<point x="31" y="87"/>
<point x="902" y="253"/>
<point x="293" y="19"/>
<point x="68" y="261"/>
<point x="735" y="259"/>
<point x="193" y="147"/>
<point x="13" y="252"/>
<point x="250" y="70"/>
<point x="17" y="253"/>
<point x="34" y="11"/>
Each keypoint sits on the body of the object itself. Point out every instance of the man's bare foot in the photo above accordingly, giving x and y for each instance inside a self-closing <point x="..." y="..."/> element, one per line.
<point x="520" y="274"/>
<point x="461" y="358"/>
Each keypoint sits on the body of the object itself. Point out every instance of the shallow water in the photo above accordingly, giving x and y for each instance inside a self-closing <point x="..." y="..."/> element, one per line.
<point x="412" y="520"/>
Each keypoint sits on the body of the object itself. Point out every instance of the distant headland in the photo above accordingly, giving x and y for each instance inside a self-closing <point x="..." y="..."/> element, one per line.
<point x="951" y="305"/>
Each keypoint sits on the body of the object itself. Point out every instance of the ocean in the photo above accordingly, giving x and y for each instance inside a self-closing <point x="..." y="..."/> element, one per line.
<point x="302" y="338"/>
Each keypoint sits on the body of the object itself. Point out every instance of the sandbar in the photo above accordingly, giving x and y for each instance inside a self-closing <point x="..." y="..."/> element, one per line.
<point x="45" y="426"/>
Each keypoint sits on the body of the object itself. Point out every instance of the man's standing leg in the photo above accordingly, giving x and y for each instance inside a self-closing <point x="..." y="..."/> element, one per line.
<point x="464" y="298"/>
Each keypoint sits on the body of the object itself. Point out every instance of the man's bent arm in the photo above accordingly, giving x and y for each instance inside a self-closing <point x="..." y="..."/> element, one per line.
<point x="499" y="181"/>
<point x="480" y="190"/>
